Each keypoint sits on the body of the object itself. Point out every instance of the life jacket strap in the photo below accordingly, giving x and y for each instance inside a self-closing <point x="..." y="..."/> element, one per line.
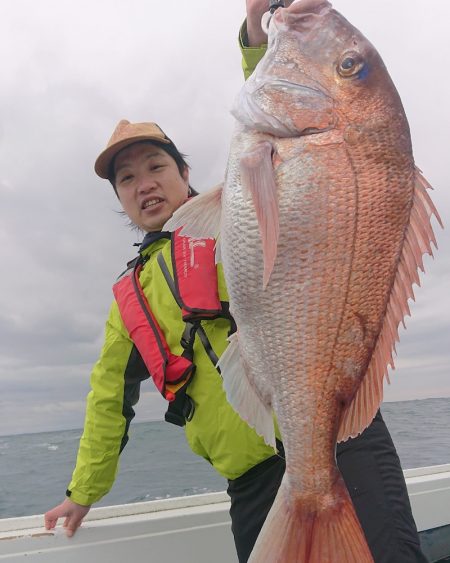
<point x="169" y="280"/>
<point x="182" y="408"/>
<point x="208" y="348"/>
<point x="193" y="326"/>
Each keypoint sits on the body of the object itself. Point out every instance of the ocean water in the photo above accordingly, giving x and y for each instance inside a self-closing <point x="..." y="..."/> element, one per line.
<point x="157" y="463"/>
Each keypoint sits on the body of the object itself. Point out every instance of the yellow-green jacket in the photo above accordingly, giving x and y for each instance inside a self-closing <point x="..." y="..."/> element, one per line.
<point x="215" y="432"/>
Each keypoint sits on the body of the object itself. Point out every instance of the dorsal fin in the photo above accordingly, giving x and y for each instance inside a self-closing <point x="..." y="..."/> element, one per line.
<point x="418" y="238"/>
<point x="200" y="217"/>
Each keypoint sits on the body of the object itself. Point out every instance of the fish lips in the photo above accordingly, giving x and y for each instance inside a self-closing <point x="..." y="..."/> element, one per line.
<point x="301" y="16"/>
<point x="284" y="109"/>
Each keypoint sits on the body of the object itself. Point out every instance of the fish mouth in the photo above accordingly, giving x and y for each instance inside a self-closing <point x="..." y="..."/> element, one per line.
<point x="274" y="103"/>
<point x="308" y="6"/>
<point x="300" y="109"/>
<point x="303" y="15"/>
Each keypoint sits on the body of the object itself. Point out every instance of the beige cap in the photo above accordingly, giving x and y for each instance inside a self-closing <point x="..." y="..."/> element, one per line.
<point x="125" y="134"/>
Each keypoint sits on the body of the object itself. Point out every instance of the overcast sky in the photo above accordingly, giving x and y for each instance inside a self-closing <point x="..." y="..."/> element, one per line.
<point x="70" y="70"/>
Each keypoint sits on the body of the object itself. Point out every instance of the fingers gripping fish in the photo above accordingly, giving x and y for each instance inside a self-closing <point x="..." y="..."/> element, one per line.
<point x="321" y="223"/>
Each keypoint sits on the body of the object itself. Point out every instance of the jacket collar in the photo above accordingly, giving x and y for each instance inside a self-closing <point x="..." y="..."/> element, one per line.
<point x="150" y="238"/>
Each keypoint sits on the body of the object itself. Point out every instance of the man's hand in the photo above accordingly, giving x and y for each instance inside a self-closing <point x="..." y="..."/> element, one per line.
<point x="255" y="11"/>
<point x="73" y="512"/>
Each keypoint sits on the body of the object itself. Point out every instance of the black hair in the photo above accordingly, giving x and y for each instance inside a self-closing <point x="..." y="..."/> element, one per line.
<point x="170" y="149"/>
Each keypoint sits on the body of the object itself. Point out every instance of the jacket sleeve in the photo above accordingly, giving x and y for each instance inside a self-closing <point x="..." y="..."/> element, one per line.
<point x="115" y="384"/>
<point x="250" y="55"/>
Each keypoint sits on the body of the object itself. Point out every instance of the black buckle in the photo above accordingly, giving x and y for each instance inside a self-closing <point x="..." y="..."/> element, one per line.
<point x="178" y="414"/>
<point x="188" y="338"/>
<point x="174" y="418"/>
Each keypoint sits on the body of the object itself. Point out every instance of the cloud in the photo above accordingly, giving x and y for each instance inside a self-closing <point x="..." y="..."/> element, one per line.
<point x="65" y="86"/>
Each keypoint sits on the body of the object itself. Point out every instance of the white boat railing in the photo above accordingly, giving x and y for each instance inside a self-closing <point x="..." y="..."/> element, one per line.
<point x="429" y="491"/>
<point x="193" y="529"/>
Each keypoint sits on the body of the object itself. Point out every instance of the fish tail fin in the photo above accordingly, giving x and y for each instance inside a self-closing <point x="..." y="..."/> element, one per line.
<point x="294" y="533"/>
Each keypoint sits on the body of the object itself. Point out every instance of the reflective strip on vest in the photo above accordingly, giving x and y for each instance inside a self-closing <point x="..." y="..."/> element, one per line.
<point x="195" y="273"/>
<point x="163" y="366"/>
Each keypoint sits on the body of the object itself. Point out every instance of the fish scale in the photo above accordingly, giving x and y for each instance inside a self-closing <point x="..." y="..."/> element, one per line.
<point x="277" y="349"/>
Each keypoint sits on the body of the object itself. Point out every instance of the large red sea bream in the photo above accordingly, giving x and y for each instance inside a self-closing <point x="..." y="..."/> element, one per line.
<point x="323" y="221"/>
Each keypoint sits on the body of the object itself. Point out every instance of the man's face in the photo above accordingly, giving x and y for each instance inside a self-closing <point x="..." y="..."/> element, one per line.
<point x="149" y="185"/>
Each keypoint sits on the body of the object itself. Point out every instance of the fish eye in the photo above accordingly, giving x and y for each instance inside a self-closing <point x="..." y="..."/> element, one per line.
<point x="350" y="64"/>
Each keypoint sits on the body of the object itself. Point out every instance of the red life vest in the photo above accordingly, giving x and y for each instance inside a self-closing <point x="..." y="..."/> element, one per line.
<point x="195" y="289"/>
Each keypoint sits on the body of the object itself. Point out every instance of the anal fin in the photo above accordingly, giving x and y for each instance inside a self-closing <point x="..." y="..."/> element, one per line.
<point x="242" y="395"/>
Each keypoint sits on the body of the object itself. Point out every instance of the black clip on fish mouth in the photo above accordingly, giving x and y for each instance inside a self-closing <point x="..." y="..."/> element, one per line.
<point x="273" y="6"/>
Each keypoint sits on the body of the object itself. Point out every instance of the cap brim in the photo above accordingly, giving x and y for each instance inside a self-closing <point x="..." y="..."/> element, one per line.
<point x="103" y="162"/>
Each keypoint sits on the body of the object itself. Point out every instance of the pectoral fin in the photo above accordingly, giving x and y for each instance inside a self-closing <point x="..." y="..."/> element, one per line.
<point x="259" y="179"/>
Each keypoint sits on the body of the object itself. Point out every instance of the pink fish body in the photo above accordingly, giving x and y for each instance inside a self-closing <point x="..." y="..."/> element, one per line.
<point x="323" y="219"/>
